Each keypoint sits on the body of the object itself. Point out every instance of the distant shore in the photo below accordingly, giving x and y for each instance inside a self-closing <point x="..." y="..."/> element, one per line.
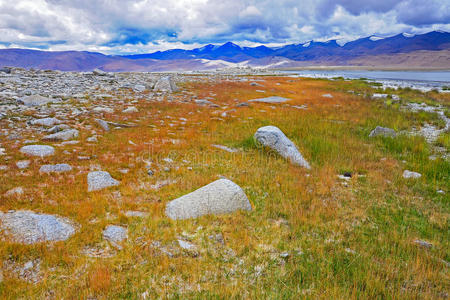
<point x="368" y="68"/>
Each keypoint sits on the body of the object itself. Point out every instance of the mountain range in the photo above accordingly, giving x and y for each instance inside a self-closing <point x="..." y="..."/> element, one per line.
<point x="430" y="50"/>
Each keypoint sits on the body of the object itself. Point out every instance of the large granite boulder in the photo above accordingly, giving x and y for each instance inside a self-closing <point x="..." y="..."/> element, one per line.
<point x="219" y="197"/>
<point x="273" y="138"/>
<point x="28" y="227"/>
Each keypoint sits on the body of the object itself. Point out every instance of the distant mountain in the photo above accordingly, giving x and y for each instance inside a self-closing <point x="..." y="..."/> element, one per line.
<point x="228" y="52"/>
<point x="399" y="50"/>
<point x="312" y="51"/>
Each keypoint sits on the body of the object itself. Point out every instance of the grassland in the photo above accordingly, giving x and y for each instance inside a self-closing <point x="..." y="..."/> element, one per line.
<point x="310" y="234"/>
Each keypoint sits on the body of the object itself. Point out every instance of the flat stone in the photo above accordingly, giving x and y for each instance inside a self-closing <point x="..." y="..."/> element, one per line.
<point x="28" y="227"/>
<point x="103" y="124"/>
<point x="327" y="96"/>
<point x="47" y="122"/>
<point x="35" y="100"/>
<point x="58" y="128"/>
<point x="411" y="175"/>
<point x="273" y="99"/>
<point x="99" y="180"/>
<point x="64" y="135"/>
<point x="17" y="191"/>
<point x="273" y="138"/>
<point x="23" y="164"/>
<point x="225" y="148"/>
<point x="38" y="150"/>
<point x="136" y="214"/>
<point x="58" y="168"/>
<point x="115" y="234"/>
<point x="130" y="109"/>
<point x="219" y="197"/>
<point x="102" y="109"/>
<point x="383" y="131"/>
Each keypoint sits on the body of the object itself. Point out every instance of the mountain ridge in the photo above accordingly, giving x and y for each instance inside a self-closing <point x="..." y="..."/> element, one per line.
<point x="384" y="51"/>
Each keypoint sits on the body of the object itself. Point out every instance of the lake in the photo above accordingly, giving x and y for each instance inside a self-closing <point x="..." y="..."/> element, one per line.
<point x="423" y="80"/>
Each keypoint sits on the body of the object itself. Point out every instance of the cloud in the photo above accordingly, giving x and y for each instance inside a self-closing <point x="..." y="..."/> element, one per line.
<point x="124" y="26"/>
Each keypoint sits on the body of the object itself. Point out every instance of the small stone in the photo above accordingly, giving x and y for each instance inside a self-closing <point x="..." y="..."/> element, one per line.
<point x="115" y="235"/>
<point x="383" y="131"/>
<point x="327" y="96"/>
<point x="103" y="124"/>
<point x="23" y="164"/>
<point x="99" y="180"/>
<point x="130" y="109"/>
<point x="273" y="99"/>
<point x="137" y="214"/>
<point x="410" y="174"/>
<point x="17" y="191"/>
<point x="58" y="168"/>
<point x="424" y="244"/>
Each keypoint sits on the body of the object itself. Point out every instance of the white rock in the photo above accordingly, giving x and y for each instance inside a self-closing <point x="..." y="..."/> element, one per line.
<point x="409" y="174"/>
<point x="273" y="99"/>
<point x="35" y="100"/>
<point x="17" y="191"/>
<point x="62" y="135"/>
<point x="103" y="124"/>
<point x="58" y="168"/>
<point x="99" y="180"/>
<point x="115" y="234"/>
<point x="47" y="122"/>
<point x="38" y="150"/>
<point x="383" y="131"/>
<point x="28" y="227"/>
<point x="23" y="164"/>
<point x="130" y="109"/>
<point x="219" y="197"/>
<point x="274" y="138"/>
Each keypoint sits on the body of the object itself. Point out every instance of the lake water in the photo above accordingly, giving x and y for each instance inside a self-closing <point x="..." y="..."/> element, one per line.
<point x="423" y="80"/>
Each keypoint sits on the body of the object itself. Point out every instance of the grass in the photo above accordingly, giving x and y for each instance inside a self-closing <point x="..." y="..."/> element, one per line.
<point x="344" y="240"/>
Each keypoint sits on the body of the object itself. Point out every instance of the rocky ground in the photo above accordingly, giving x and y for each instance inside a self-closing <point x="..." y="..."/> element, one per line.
<point x="117" y="184"/>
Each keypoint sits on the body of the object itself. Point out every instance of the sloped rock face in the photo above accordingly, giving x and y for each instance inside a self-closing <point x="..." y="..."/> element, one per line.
<point x="219" y="197"/>
<point x="382" y="131"/>
<point x="28" y="227"/>
<point x="99" y="180"/>
<point x="38" y="150"/>
<point x="273" y="138"/>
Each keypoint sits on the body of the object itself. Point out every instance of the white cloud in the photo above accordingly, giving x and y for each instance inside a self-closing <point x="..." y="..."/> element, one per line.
<point x="125" y="26"/>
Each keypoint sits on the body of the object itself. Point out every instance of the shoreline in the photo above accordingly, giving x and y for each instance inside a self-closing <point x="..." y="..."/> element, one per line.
<point x="361" y="68"/>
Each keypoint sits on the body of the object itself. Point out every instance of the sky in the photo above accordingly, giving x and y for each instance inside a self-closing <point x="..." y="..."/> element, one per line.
<point x="143" y="26"/>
